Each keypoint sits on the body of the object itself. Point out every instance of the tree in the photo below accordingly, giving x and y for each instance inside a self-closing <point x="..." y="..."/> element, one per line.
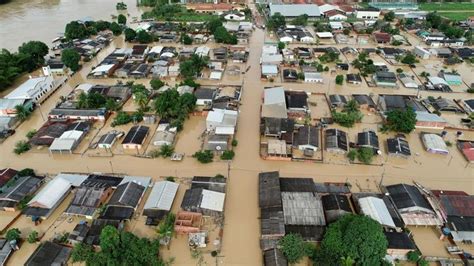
<point x="121" y="6"/>
<point x="32" y="237"/>
<point x="281" y="45"/>
<point x="115" y="28"/>
<point x="122" y="19"/>
<point x="156" y="84"/>
<point x="71" y="58"/>
<point x="389" y="16"/>
<point x="401" y="120"/>
<point x="346" y="31"/>
<point x="349" y="116"/>
<point x="130" y="34"/>
<point x="166" y="151"/>
<point x="204" y="156"/>
<point x="434" y="19"/>
<point x="339" y="79"/>
<point x="221" y="35"/>
<point x="228" y="155"/>
<point x="82" y="252"/>
<point x="301" y="20"/>
<point x="13" y="234"/>
<point x="75" y="30"/>
<point x="26" y="172"/>
<point x="276" y="21"/>
<point x="185" y="39"/>
<point x="144" y="37"/>
<point x="35" y="51"/>
<point x="193" y="66"/>
<point x="365" y="155"/>
<point x="214" y="24"/>
<point x="122" y="118"/>
<point x="110" y="241"/>
<point x="355" y="236"/>
<point x="92" y="100"/>
<point x="141" y="99"/>
<point x="413" y="255"/>
<point x="22" y="113"/>
<point x="293" y="247"/>
<point x="409" y="59"/>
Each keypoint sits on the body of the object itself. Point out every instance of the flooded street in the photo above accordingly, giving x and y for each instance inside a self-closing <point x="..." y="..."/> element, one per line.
<point x="44" y="20"/>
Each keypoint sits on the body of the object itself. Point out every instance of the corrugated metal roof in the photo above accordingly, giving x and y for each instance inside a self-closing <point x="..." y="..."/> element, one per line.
<point x="376" y="209"/>
<point x="295" y="10"/>
<point x="212" y="200"/>
<point x="51" y="193"/>
<point x="162" y="195"/>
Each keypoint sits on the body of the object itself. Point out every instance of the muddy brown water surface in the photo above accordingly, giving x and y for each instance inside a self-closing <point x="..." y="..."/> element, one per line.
<point x="240" y="244"/>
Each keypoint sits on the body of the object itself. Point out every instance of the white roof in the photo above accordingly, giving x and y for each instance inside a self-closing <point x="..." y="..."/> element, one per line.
<point x="85" y="87"/>
<point x="313" y="75"/>
<point x="436" y="80"/>
<point x="271" y="58"/>
<point x="26" y="89"/>
<point x="141" y="180"/>
<point x="72" y="134"/>
<point x="274" y="95"/>
<point x="167" y="54"/>
<point x="102" y="68"/>
<point x="156" y="49"/>
<point x="435" y="143"/>
<point x="428" y="117"/>
<point x="75" y="179"/>
<point x="269" y="49"/>
<point x="162" y="196"/>
<point x="225" y="130"/>
<point x="409" y="82"/>
<point x="51" y="194"/>
<point x="212" y="200"/>
<point x="216" y="75"/>
<point x="62" y="144"/>
<point x="335" y="24"/>
<point x="269" y="69"/>
<point x="173" y="68"/>
<point x="326" y="7"/>
<point x="291" y="10"/>
<point x="202" y="51"/>
<point x="224" y="117"/>
<point x="376" y="209"/>
<point x="324" y="34"/>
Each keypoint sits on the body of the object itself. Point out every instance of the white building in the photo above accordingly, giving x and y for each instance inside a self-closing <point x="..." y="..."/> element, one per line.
<point x="369" y="13"/>
<point x="49" y="198"/>
<point x="376" y="209"/>
<point x="35" y="89"/>
<point x="421" y="52"/>
<point x="222" y="122"/>
<point x="274" y="103"/>
<point x="313" y="77"/>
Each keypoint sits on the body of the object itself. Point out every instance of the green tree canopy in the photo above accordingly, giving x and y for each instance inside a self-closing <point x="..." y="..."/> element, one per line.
<point x="115" y="28"/>
<point x="122" y="19"/>
<point x="75" y="30"/>
<point x="13" y="234"/>
<point x="144" y="37"/>
<point x="35" y="51"/>
<point x="293" y="247"/>
<point x="389" y="16"/>
<point x="355" y="236"/>
<point x="156" y="84"/>
<point x="130" y="34"/>
<point x="71" y="58"/>
<point x="301" y="20"/>
<point x="401" y="120"/>
<point x="214" y="24"/>
<point x="276" y="21"/>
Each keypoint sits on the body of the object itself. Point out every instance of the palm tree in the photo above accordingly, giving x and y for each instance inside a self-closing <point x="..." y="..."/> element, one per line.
<point x="347" y="261"/>
<point x="141" y="99"/>
<point x="22" y="113"/>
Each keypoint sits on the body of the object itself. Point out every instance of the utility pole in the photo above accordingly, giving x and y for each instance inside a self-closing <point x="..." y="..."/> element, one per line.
<point x="381" y="179"/>
<point x="111" y="167"/>
<point x="228" y="169"/>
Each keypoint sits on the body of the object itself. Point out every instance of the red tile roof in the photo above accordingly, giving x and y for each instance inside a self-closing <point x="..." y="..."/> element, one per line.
<point x="333" y="12"/>
<point x="458" y="205"/>
<point x="6" y="174"/>
<point x="467" y="148"/>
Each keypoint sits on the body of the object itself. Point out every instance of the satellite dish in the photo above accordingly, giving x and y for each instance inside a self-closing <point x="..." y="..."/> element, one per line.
<point x="218" y="148"/>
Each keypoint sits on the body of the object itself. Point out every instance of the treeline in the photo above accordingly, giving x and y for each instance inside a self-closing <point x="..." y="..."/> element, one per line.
<point x="77" y="30"/>
<point x="30" y="55"/>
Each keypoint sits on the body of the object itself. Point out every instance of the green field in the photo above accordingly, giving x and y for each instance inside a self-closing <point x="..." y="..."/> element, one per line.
<point x="457" y="16"/>
<point x="446" y="6"/>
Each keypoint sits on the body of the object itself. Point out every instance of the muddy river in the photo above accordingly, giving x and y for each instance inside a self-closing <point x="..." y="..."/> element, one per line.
<point x="44" y="20"/>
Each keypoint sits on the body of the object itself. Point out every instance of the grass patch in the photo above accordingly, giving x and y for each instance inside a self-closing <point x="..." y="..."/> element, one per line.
<point x="455" y="16"/>
<point x="446" y="6"/>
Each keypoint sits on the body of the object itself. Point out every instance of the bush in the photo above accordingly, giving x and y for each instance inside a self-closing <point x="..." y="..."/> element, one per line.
<point x="352" y="154"/>
<point x="293" y="247"/>
<point x="31" y="134"/>
<point x="166" y="151"/>
<point x="339" y="79"/>
<point x="399" y="70"/>
<point x="204" y="156"/>
<point x="234" y="143"/>
<point x="26" y="172"/>
<point x="13" y="234"/>
<point x="32" y="237"/>
<point x="470" y="90"/>
<point x="170" y="178"/>
<point x="365" y="155"/>
<point x="214" y="253"/>
<point x="423" y="262"/>
<point x="227" y="155"/>
<point x="449" y="143"/>
<point x="413" y="256"/>
<point x="21" y="146"/>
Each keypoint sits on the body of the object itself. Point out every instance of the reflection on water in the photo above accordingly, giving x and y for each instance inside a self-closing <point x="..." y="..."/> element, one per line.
<point x="24" y="20"/>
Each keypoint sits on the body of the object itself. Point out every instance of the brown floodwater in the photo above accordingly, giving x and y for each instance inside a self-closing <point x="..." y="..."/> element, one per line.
<point x="44" y="20"/>
<point x="240" y="244"/>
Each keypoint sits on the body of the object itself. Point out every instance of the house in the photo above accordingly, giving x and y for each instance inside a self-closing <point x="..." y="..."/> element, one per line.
<point x="421" y="52"/>
<point x="469" y="105"/>
<point x="140" y="71"/>
<point x="451" y="78"/>
<point x="407" y="81"/>
<point x="236" y="16"/>
<point x="8" y="106"/>
<point x="218" y="143"/>
<point x="306" y="138"/>
<point x="139" y="52"/>
<point x="385" y="79"/>
<point x="398" y="146"/>
<point x="202" y="51"/>
<point x="274" y="257"/>
<point x="34" y="89"/>
<point x="376" y="209"/>
<point x="274" y="103"/>
<point x="6" y="175"/>
<point x="278" y="127"/>
<point x="441" y="52"/>
<point x="337" y="100"/>
<point x="56" y="67"/>
<point x="336" y="206"/>
<point x="292" y="11"/>
<point x="313" y="77"/>
<point x="391" y="53"/>
<point x="324" y="35"/>
<point x="341" y="38"/>
<point x="290" y="75"/>
<point x="6" y="124"/>
<point x="164" y="136"/>
<point x="434" y="143"/>
<point x="272" y="223"/>
<point x="368" y="139"/>
<point x="446" y="105"/>
<point x="268" y="59"/>
<point x="353" y="79"/>
<point x="6" y="249"/>
<point x="204" y="97"/>
<point x="160" y="201"/>
<point x="269" y="71"/>
<point x="425" y="119"/>
<point x="79" y="233"/>
<point x="437" y="84"/>
<point x="49" y="198"/>
<point x="48" y="133"/>
<point x="336" y="140"/>
<point x="367" y="13"/>
<point x="222" y="122"/>
<point x="204" y="201"/>
<point x="135" y="137"/>
<point x="382" y="37"/>
<point x="412" y="205"/>
<point x="342" y="66"/>
<point x="335" y="15"/>
<point x="364" y="101"/>
<point x="214" y="183"/>
<point x="106" y="141"/>
<point x="21" y="188"/>
<point x="220" y="53"/>
<point x="434" y="37"/>
<point x="173" y="70"/>
<point x="124" y="201"/>
<point x="399" y="244"/>
<point x="49" y="253"/>
<point x="458" y="211"/>
<point x="467" y="149"/>
<point x="87" y="200"/>
<point x="71" y="138"/>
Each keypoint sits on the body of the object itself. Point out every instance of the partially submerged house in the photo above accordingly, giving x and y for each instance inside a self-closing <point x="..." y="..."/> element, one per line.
<point x="204" y="201"/>
<point x="385" y="79"/>
<point x="160" y="201"/>
<point x="398" y="146"/>
<point x="412" y="205"/>
<point x="335" y="206"/>
<point x="376" y="209"/>
<point x="135" y="137"/>
<point x="88" y="198"/>
<point x="272" y="224"/>
<point x="336" y="140"/>
<point x="124" y="201"/>
<point x="458" y="210"/>
<point x="23" y="187"/>
<point x="368" y="139"/>
<point x="49" y="253"/>
<point x="306" y="138"/>
<point x="434" y="143"/>
<point x="222" y="121"/>
<point x="274" y="103"/>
